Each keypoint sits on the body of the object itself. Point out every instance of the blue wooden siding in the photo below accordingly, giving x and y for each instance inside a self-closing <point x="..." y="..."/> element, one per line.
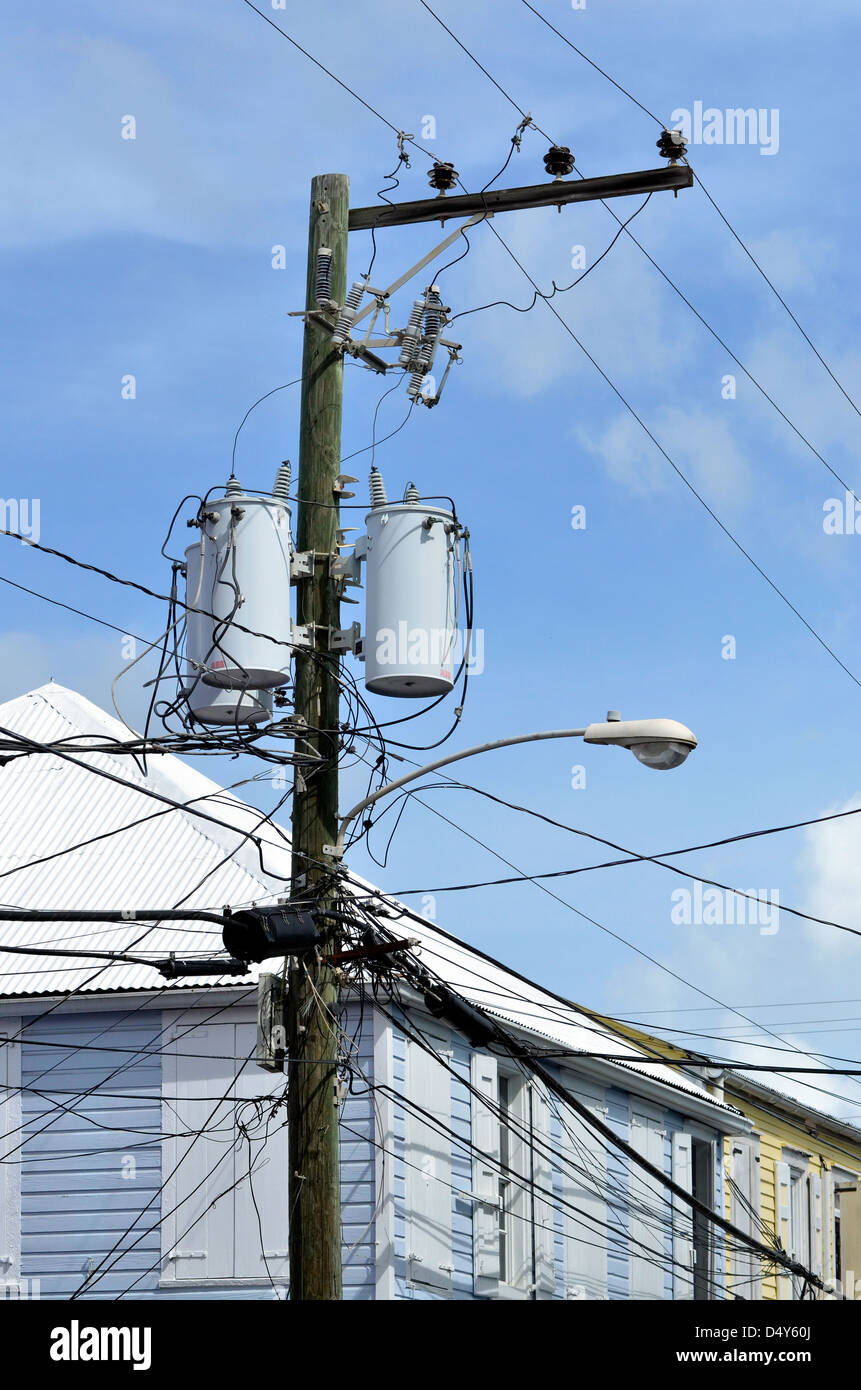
<point x="92" y="1169"/>
<point x="75" y="1201"/>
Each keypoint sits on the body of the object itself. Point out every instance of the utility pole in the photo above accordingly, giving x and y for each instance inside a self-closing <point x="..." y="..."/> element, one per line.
<point x="314" y="1194"/>
<point x="314" y="1188"/>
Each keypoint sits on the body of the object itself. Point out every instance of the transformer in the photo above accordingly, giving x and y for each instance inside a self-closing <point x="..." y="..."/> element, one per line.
<point x="412" y="558"/>
<point x="239" y="573"/>
<point x="210" y="705"/>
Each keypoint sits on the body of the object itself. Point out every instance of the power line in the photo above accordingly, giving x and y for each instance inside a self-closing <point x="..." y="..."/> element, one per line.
<point x="615" y="936"/>
<point x="745" y="248"/>
<point x="678" y="471"/>
<point x="632" y="859"/>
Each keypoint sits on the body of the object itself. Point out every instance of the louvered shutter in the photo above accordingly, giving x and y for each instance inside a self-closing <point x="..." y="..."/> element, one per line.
<point x="484" y="1075"/>
<point x="683" y="1219"/>
<point x="649" y="1212"/>
<point x="745" y="1208"/>
<point x="828" y="1271"/>
<point x="584" y="1190"/>
<point x="428" y="1158"/>
<point x="545" y="1265"/>
<point x="814" y="1200"/>
<point x="783" y="1220"/>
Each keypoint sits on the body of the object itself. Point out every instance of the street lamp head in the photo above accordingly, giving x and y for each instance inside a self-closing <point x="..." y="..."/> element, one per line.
<point x="657" y="743"/>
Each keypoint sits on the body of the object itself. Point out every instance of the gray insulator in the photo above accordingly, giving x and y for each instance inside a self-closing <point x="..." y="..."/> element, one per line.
<point x="233" y="488"/>
<point x="324" y="275"/>
<point x="433" y="314"/>
<point x="412" y="495"/>
<point x="414" y="388"/>
<point x="378" y="489"/>
<point x="281" y="486"/>
<point x="354" y="298"/>
<point x="348" y="313"/>
<point x="411" y="334"/>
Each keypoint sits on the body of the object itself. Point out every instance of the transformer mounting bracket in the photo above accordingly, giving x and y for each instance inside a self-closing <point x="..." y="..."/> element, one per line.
<point x="346" y="639"/>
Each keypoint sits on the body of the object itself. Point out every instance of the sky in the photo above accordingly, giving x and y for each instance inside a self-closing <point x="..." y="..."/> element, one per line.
<point x="160" y="258"/>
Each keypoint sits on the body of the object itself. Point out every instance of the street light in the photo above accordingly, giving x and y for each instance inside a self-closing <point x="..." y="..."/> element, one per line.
<point x="657" y="743"/>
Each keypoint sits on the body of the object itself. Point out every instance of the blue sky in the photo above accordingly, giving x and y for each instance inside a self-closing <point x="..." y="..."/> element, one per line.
<point x="153" y="257"/>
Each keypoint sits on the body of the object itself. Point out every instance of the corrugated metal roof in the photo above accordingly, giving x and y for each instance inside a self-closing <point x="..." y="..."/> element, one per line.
<point x="526" y="1005"/>
<point x="70" y="837"/>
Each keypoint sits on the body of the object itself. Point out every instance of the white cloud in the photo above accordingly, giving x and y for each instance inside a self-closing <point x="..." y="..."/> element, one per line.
<point x="702" y="445"/>
<point x="831" y="876"/>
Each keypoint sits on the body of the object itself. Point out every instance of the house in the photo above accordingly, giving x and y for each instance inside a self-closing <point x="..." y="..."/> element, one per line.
<point x="795" y="1177"/>
<point x="800" y="1170"/>
<point x="144" y="1152"/>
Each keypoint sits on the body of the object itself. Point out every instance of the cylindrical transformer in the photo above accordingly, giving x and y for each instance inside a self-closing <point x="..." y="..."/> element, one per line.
<point x="411" y="581"/>
<point x="239" y="572"/>
<point x="211" y="705"/>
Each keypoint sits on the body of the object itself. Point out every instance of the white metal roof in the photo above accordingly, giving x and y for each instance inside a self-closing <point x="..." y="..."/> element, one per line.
<point x="70" y="837"/>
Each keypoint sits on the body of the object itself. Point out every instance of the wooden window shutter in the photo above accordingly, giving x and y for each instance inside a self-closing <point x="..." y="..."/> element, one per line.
<point x="683" y="1219"/>
<point x="584" y="1189"/>
<point x="828" y="1270"/>
<point x="649" y="1211"/>
<point x="783" y="1220"/>
<point x="814" y="1199"/>
<point x="545" y="1255"/>
<point x="484" y="1075"/>
<point x="427" y="1151"/>
<point x="745" y="1208"/>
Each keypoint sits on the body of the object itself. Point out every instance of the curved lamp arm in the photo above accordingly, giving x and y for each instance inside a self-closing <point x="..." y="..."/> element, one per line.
<point x="337" y="850"/>
<point x="659" y="743"/>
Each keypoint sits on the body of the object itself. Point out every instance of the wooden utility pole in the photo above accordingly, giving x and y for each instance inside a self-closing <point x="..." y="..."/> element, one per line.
<point x="314" y="1191"/>
<point x="314" y="1194"/>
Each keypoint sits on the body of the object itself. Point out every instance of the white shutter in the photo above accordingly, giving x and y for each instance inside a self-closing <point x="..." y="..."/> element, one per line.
<point x="745" y="1204"/>
<point x="649" y="1212"/>
<point x="10" y="1138"/>
<point x="814" y="1198"/>
<point x="428" y="1157"/>
<point x="545" y="1255"/>
<point x="828" y="1271"/>
<point x="214" y="1232"/>
<point x="683" y="1219"/>
<point x="584" y="1190"/>
<point x="201" y="1161"/>
<point x="783" y="1220"/>
<point x="485" y="1173"/>
<point x="261" y="1236"/>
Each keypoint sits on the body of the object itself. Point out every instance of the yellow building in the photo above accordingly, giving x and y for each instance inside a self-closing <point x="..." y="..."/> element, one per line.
<point x="800" y="1171"/>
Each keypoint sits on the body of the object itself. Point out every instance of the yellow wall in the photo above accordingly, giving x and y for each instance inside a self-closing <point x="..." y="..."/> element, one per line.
<point x="779" y="1131"/>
